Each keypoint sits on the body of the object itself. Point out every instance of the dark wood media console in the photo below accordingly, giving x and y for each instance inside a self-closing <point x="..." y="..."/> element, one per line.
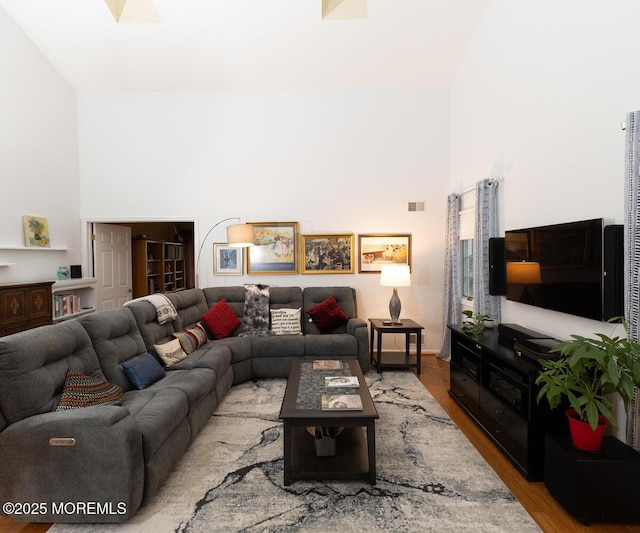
<point x="496" y="388"/>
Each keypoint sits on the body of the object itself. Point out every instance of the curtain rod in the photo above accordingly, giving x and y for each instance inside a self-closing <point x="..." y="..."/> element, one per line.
<point x="472" y="188"/>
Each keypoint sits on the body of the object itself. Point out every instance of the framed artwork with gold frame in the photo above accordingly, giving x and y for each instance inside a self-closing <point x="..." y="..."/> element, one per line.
<point x="275" y="250"/>
<point x="375" y="250"/>
<point x="327" y="254"/>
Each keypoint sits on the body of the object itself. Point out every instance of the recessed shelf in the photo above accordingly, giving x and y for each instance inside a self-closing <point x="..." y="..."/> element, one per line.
<point x="73" y="283"/>
<point x="7" y="264"/>
<point x="73" y="298"/>
<point x="30" y="248"/>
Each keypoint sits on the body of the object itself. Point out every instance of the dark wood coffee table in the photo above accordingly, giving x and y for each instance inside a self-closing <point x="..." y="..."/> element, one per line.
<point x="301" y="408"/>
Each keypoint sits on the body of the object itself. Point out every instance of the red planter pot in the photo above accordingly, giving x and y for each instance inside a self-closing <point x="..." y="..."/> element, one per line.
<point x="582" y="436"/>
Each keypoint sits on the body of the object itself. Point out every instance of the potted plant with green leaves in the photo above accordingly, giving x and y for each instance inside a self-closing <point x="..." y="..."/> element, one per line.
<point x="473" y="324"/>
<point x="590" y="370"/>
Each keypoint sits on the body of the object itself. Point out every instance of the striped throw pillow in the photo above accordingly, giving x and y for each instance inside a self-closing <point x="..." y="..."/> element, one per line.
<point x="191" y="339"/>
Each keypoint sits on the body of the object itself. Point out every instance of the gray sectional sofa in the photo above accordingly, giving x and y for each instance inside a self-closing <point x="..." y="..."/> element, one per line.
<point x="98" y="464"/>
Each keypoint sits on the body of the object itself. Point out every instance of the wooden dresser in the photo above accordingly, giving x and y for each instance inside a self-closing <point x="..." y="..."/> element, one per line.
<point x="24" y="306"/>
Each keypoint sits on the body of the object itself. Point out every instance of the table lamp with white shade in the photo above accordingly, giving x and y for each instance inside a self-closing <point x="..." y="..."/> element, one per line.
<point x="394" y="275"/>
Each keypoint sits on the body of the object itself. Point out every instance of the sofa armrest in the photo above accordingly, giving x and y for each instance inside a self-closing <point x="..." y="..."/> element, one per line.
<point x="80" y="465"/>
<point x="358" y="328"/>
<point x="355" y="323"/>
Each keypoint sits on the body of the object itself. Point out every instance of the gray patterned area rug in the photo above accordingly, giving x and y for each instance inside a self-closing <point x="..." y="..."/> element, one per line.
<point x="429" y="476"/>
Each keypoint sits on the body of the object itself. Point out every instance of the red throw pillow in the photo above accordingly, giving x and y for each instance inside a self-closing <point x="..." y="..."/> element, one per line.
<point x="220" y="320"/>
<point x="327" y="315"/>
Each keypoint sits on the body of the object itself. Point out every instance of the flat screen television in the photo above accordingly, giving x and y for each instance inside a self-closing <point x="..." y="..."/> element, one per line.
<point x="558" y="267"/>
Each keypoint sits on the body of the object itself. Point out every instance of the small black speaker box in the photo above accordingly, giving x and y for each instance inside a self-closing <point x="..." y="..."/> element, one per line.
<point x="76" y="271"/>
<point x="497" y="267"/>
<point x="517" y="333"/>
<point x="613" y="275"/>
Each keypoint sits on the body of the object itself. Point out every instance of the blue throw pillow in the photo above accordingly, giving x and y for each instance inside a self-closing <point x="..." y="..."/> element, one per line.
<point x="143" y="371"/>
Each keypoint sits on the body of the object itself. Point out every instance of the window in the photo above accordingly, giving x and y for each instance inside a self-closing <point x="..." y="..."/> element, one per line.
<point x="465" y="251"/>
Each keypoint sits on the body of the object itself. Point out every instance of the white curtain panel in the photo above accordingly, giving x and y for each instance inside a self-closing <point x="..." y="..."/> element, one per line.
<point x="486" y="226"/>
<point x="451" y="301"/>
<point x="632" y="257"/>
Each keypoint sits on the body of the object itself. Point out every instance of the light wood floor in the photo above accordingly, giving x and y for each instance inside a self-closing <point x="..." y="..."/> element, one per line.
<point x="548" y="513"/>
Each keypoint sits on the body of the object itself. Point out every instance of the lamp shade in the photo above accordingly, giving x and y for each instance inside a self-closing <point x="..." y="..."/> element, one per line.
<point x="395" y="276"/>
<point x="240" y="235"/>
<point x="523" y="272"/>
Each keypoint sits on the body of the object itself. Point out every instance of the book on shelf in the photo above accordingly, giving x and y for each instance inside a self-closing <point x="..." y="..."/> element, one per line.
<point x="327" y="364"/>
<point x="341" y="381"/>
<point x="65" y="304"/>
<point x="341" y="402"/>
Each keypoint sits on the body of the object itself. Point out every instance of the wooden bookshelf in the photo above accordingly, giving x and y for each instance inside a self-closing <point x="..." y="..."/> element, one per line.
<point x="173" y="264"/>
<point x="158" y="266"/>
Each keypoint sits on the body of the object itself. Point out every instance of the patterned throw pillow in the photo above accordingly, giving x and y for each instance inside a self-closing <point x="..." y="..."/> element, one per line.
<point x="170" y="352"/>
<point x="220" y="320"/>
<point x="81" y="390"/>
<point x="192" y="339"/>
<point x="255" y="316"/>
<point x="327" y="315"/>
<point x="286" y="321"/>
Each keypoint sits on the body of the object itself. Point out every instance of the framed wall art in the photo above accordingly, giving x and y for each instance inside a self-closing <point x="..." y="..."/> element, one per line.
<point x="275" y="250"/>
<point x="227" y="261"/>
<point x="36" y="232"/>
<point x="327" y="254"/>
<point x="377" y="250"/>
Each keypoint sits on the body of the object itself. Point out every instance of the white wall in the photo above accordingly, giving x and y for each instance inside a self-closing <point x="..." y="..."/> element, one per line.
<point x="539" y="99"/>
<point x="331" y="161"/>
<point x="38" y="157"/>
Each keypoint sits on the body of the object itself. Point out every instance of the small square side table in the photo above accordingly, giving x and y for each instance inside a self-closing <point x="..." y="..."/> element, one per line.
<point x="395" y="359"/>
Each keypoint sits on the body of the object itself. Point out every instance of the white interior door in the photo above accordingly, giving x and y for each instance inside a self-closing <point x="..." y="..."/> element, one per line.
<point x="113" y="267"/>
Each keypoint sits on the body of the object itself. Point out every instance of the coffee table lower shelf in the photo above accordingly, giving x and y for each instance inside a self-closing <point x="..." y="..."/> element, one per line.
<point x="352" y="461"/>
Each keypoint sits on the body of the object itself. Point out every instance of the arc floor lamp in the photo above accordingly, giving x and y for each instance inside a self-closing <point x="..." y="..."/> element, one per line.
<point x="238" y="236"/>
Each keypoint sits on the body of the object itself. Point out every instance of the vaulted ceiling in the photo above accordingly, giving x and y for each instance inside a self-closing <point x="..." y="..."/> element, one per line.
<point x="204" y="45"/>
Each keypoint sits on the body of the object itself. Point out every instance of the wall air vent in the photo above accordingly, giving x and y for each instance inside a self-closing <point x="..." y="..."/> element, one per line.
<point x="416" y="206"/>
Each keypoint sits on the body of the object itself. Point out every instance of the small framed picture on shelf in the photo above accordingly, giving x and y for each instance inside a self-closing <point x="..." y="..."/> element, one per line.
<point x="275" y="250"/>
<point x="227" y="261"/>
<point x="377" y="250"/>
<point x="36" y="232"/>
<point x="327" y="254"/>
